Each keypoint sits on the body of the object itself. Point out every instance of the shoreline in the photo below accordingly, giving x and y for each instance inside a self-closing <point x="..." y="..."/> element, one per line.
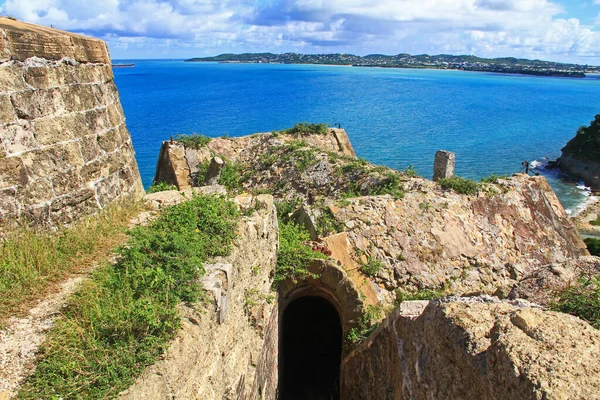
<point x="583" y="218"/>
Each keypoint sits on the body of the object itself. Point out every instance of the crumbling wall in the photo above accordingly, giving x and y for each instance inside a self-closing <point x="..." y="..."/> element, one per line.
<point x="227" y="345"/>
<point x="65" y="151"/>
<point x="475" y="348"/>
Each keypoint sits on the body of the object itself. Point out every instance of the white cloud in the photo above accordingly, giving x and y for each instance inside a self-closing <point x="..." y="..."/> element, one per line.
<point x="532" y="28"/>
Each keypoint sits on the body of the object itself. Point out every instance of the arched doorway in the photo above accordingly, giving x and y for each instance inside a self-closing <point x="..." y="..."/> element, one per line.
<point x="311" y="350"/>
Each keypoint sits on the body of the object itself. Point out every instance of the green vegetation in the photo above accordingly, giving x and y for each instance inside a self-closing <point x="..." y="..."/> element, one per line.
<point x="596" y="222"/>
<point x="371" y="267"/>
<point x="460" y="185"/>
<point x="493" y="178"/>
<point x="327" y="223"/>
<point x="593" y="246"/>
<point x="411" y="171"/>
<point x="123" y="318"/>
<point x="294" y="255"/>
<point x="161" y="187"/>
<point x="231" y="177"/>
<point x="586" y="144"/>
<point x="31" y="262"/>
<point x="366" y="324"/>
<point x="425" y="294"/>
<point x="304" y="128"/>
<point x="193" y="141"/>
<point x="581" y="300"/>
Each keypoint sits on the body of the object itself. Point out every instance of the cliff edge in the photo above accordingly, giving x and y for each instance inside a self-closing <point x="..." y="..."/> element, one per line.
<point x="581" y="156"/>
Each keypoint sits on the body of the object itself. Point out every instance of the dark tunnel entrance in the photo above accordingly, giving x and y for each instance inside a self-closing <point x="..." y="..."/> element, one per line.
<point x="311" y="350"/>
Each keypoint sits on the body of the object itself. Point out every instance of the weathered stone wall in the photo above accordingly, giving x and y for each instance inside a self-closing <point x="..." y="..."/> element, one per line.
<point x="65" y="151"/>
<point x="219" y="352"/>
<point x="178" y="164"/>
<point x="475" y="349"/>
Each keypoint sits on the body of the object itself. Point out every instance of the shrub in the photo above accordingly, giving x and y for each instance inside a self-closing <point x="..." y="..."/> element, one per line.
<point x="371" y="267"/>
<point x="231" y="177"/>
<point x="123" y="318"/>
<point x="493" y="178"/>
<point x="425" y="294"/>
<point x="193" y="141"/>
<point x="411" y="171"/>
<point x="460" y="185"/>
<point x="294" y="256"/>
<point x="304" y="128"/>
<point x="161" y="187"/>
<point x="596" y="222"/>
<point x="366" y="324"/>
<point x="581" y="300"/>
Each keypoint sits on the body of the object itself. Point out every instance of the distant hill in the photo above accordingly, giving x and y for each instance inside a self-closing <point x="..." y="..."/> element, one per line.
<point x="509" y="65"/>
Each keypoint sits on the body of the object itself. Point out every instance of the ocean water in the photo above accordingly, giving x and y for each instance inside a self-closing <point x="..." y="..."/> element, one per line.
<point x="395" y="117"/>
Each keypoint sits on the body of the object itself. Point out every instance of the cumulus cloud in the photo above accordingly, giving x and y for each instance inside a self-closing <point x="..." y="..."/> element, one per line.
<point x="533" y="28"/>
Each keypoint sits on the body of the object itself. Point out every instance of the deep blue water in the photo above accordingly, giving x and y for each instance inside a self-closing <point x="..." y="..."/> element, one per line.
<point x="395" y="117"/>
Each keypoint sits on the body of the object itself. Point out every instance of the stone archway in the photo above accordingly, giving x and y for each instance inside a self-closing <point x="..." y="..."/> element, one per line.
<point x="319" y="310"/>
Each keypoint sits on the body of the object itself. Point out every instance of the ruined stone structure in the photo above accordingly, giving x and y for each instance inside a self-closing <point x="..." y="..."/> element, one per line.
<point x="475" y="348"/>
<point x="65" y="151"/>
<point x="443" y="165"/>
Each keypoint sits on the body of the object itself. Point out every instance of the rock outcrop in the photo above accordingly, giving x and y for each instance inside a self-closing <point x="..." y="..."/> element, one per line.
<point x="580" y="158"/>
<point x="65" y="151"/>
<point x="475" y="348"/>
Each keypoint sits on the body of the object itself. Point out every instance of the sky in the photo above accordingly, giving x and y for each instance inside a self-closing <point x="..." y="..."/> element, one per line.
<point x="556" y="30"/>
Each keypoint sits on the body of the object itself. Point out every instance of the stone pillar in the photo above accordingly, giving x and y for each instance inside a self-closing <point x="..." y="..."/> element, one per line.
<point x="443" y="166"/>
<point x="214" y="171"/>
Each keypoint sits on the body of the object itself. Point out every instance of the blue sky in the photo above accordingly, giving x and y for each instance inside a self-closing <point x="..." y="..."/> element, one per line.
<point x="560" y="30"/>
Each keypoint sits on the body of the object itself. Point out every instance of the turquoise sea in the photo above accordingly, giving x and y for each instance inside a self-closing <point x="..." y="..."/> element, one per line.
<point x="395" y="117"/>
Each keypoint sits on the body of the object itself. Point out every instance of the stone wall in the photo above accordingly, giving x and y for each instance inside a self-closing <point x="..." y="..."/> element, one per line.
<point x="478" y="348"/>
<point x="227" y="347"/>
<point x="65" y="151"/>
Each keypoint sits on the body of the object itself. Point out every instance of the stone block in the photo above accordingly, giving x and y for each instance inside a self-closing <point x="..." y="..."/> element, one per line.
<point x="93" y="73"/>
<point x="78" y="98"/>
<point x="66" y="182"/>
<point x="50" y="76"/>
<point x="11" y="78"/>
<point x="38" y="215"/>
<point x="69" y="208"/>
<point x="7" y="114"/>
<point x="108" y="189"/>
<point x="93" y="170"/>
<point x="106" y="93"/>
<point x="443" y="165"/>
<point x="98" y="120"/>
<point x="36" y="192"/>
<point x="60" y="157"/>
<point x="9" y="207"/>
<point x="12" y="172"/>
<point x="115" y="114"/>
<point x="89" y="148"/>
<point x="18" y="138"/>
<point x="49" y="131"/>
<point x="32" y="104"/>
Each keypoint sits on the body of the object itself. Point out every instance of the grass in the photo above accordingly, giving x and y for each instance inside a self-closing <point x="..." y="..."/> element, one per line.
<point x="193" y="141"/>
<point x="596" y="222"/>
<point x="460" y="185"/>
<point x="304" y="128"/>
<point x="32" y="262"/>
<point x="124" y="317"/>
<point x="581" y="300"/>
<point x="493" y="178"/>
<point x="161" y="187"/>
<point x="294" y="256"/>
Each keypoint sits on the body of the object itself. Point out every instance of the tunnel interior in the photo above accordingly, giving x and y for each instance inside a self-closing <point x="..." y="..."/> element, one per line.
<point x="311" y="350"/>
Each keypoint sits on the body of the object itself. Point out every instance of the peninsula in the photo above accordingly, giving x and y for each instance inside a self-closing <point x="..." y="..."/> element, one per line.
<point x="507" y="65"/>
